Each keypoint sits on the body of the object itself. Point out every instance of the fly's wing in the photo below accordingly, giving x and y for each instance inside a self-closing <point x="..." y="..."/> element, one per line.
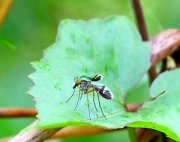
<point x="103" y="90"/>
<point x="97" y="77"/>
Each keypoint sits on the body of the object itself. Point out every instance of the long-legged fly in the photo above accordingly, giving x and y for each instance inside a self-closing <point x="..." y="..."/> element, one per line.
<point x="90" y="84"/>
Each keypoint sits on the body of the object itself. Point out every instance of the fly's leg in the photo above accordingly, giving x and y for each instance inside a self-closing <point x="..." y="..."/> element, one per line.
<point x="100" y="106"/>
<point x="94" y="101"/>
<point x="79" y="95"/>
<point x="88" y="107"/>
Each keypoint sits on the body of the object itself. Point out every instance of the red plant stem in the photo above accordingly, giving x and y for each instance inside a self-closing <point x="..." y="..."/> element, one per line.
<point x="140" y="19"/>
<point x="17" y="112"/>
<point x="30" y="112"/>
<point x="143" y="31"/>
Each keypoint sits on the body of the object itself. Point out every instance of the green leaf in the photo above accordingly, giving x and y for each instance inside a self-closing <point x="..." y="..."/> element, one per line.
<point x="111" y="47"/>
<point x="163" y="112"/>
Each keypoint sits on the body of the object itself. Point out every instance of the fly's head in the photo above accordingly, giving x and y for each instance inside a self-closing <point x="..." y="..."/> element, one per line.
<point x="77" y="82"/>
<point x="81" y="82"/>
<point x="84" y="82"/>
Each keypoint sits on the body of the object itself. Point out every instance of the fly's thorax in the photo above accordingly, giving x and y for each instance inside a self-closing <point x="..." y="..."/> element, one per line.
<point x="85" y="78"/>
<point x="83" y="85"/>
<point x="96" y="77"/>
<point x="90" y="89"/>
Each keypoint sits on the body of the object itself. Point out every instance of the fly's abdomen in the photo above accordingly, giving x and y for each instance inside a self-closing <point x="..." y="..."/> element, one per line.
<point x="105" y="92"/>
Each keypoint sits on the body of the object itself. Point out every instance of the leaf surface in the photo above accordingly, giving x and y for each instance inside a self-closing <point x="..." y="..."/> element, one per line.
<point x="111" y="47"/>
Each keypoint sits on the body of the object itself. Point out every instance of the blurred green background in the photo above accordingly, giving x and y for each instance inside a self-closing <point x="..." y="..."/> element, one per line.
<point x="31" y="27"/>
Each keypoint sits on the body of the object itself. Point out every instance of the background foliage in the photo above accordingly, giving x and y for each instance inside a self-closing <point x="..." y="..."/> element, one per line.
<point x="31" y="26"/>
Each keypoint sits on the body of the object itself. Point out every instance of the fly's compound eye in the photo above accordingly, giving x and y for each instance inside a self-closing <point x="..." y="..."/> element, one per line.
<point x="78" y="82"/>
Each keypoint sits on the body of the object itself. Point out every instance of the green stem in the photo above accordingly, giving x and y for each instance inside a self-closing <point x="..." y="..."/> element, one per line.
<point x="132" y="134"/>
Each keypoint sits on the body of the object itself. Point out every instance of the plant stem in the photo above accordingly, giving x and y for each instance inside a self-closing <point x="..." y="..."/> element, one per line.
<point x="143" y="31"/>
<point x="33" y="134"/>
<point x="140" y="19"/>
<point x="4" y="8"/>
<point x="31" y="112"/>
<point x="17" y="112"/>
<point x="132" y="134"/>
<point x="131" y="131"/>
